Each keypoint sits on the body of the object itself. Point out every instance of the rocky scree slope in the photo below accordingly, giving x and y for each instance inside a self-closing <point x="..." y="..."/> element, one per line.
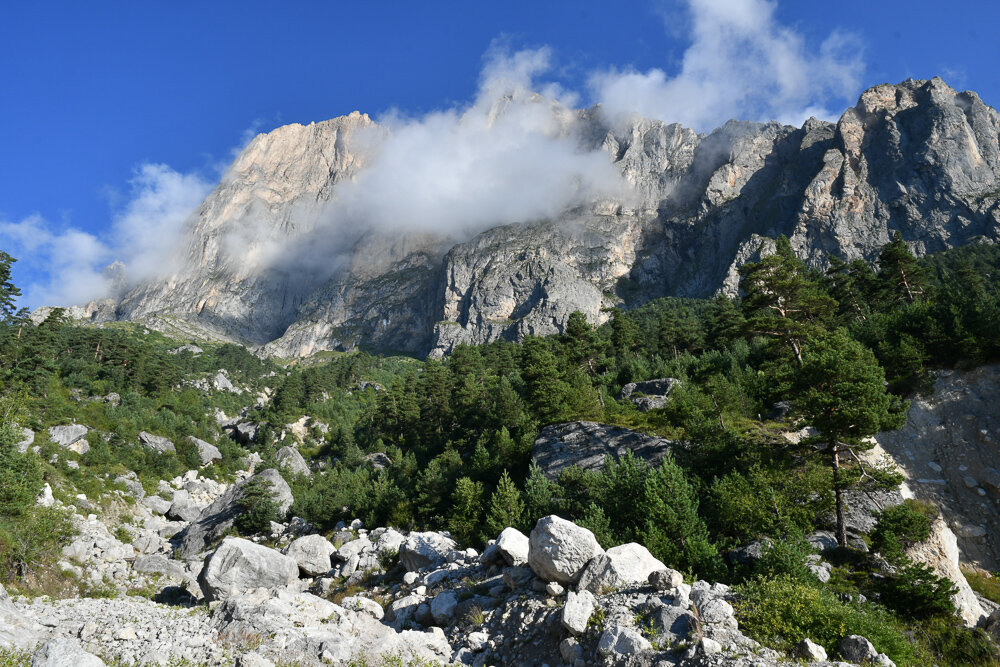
<point x="918" y="157"/>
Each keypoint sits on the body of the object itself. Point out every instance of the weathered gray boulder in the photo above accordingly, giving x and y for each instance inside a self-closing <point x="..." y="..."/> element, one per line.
<point x="182" y="508"/>
<point x="586" y="444"/>
<point x="577" y="611"/>
<point x="649" y="395"/>
<point x="156" y="442"/>
<point x="290" y="459"/>
<point x="312" y="553"/>
<point x="217" y="518"/>
<point x="424" y="550"/>
<point x="160" y="564"/>
<point x="674" y="623"/>
<point x="857" y="649"/>
<point x="207" y="452"/>
<point x="443" y="607"/>
<point x="71" y="437"/>
<point x="558" y="550"/>
<point x="156" y="504"/>
<point x="621" y="642"/>
<point x="63" y="652"/>
<point x="619" y="567"/>
<point x="244" y="433"/>
<point x="239" y="565"/>
<point x="810" y="651"/>
<point x="665" y="579"/>
<point x="513" y="546"/>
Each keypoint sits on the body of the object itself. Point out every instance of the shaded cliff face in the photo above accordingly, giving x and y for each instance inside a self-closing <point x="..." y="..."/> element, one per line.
<point x="917" y="157"/>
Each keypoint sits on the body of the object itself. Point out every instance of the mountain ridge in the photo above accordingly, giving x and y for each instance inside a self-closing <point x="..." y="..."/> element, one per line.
<point x="916" y="157"/>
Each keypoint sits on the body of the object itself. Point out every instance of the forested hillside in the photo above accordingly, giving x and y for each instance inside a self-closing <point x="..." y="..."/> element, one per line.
<point x="428" y="444"/>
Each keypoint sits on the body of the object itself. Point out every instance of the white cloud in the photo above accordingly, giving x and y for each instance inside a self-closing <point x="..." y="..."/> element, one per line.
<point x="67" y="266"/>
<point x="741" y="63"/>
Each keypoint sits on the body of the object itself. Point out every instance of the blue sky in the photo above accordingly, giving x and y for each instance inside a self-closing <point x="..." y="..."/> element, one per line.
<point x="119" y="114"/>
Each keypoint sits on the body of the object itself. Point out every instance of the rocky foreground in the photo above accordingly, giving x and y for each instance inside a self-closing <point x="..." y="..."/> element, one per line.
<point x="369" y="597"/>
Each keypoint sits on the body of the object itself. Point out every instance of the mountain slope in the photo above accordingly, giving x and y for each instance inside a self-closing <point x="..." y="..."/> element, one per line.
<point x="917" y="157"/>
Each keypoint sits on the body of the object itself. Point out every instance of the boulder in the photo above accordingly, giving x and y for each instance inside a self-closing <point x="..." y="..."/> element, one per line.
<point x="443" y="607"/>
<point x="621" y="642"/>
<point x="513" y="546"/>
<point x="558" y="550"/>
<point x="649" y="395"/>
<point x="422" y="550"/>
<point x="290" y="459"/>
<point x="365" y="605"/>
<point x="312" y="553"/>
<point x="156" y="504"/>
<point x="586" y="444"/>
<point x="45" y="498"/>
<point x="63" y="652"/>
<point x="619" y="567"/>
<point x="71" y="437"/>
<point x="217" y="518"/>
<point x="665" y="579"/>
<point x="674" y="623"/>
<point x="388" y="541"/>
<point x="182" y="509"/>
<point x="239" y="565"/>
<point x="577" y="611"/>
<point x="857" y="649"/>
<point x="244" y="433"/>
<point x="156" y="442"/>
<point x="207" y="452"/>
<point x="810" y="651"/>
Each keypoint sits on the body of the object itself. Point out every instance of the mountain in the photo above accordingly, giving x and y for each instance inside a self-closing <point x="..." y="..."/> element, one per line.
<point x="918" y="157"/>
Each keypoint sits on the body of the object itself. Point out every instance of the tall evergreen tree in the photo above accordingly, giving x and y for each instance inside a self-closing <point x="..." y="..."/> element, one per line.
<point x="840" y="390"/>
<point x="782" y="300"/>
<point x="506" y="507"/>
<point x="901" y="276"/>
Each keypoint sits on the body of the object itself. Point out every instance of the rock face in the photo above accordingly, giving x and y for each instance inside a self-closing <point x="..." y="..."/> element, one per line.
<point x="949" y="449"/>
<point x="207" y="452"/>
<point x="558" y="550"/>
<point x="585" y="444"/>
<point x="70" y="437"/>
<point x="218" y="517"/>
<point x="290" y="459"/>
<point x="649" y="395"/>
<point x="239" y="565"/>
<point x="917" y="157"/>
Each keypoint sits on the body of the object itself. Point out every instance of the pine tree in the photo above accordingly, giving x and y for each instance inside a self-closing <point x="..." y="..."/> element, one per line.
<point x="506" y="507"/>
<point x="782" y="300"/>
<point x="900" y="274"/>
<point x="546" y="390"/>
<point x="539" y="495"/>
<point x="466" y="512"/>
<point x="840" y="390"/>
<point x="674" y="532"/>
<point x="8" y="291"/>
<point x="624" y="334"/>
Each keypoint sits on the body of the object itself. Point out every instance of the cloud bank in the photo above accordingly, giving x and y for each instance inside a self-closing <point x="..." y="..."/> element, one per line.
<point x="513" y="153"/>
<point x="743" y="64"/>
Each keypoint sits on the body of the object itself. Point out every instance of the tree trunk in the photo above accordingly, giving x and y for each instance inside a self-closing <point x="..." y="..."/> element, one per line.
<point x="839" y="495"/>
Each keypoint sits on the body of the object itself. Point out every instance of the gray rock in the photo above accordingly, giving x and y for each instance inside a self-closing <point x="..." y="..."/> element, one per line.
<point x="649" y="395"/>
<point x="665" y="579"/>
<point x="363" y="604"/>
<point x="290" y="459"/>
<point x="45" y="498"/>
<point x="156" y="442"/>
<point x="312" y="554"/>
<point x="517" y="577"/>
<point x="26" y="441"/>
<point x="70" y="436"/>
<point x="577" y="611"/>
<point x="513" y="546"/>
<point x="244" y="433"/>
<point x="182" y="509"/>
<point x="622" y="642"/>
<point x="810" y="651"/>
<point x="217" y="518"/>
<point x="422" y="550"/>
<point x="160" y="564"/>
<point x="239" y="565"/>
<point x="619" y="567"/>
<point x="207" y="452"/>
<point x="559" y="549"/>
<point x="586" y="444"/>
<point x="157" y="504"/>
<point x="443" y="607"/>
<point x="62" y="652"/>
<point x="856" y="648"/>
<point x="674" y="623"/>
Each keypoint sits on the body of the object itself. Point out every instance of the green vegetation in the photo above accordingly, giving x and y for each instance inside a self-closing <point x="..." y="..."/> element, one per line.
<point x="845" y="348"/>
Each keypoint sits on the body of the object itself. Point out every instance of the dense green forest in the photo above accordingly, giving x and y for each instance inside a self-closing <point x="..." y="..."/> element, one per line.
<point x="845" y="348"/>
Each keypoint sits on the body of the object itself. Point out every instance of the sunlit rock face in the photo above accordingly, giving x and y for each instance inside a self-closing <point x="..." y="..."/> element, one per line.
<point x="261" y="267"/>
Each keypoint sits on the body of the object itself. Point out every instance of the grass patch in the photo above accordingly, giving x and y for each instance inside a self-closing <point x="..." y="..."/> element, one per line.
<point x="983" y="583"/>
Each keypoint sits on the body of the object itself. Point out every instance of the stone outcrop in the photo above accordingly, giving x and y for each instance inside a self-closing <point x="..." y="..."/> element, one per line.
<point x="70" y="437"/>
<point x="239" y="565"/>
<point x="586" y="444"/>
<point x="918" y="157"/>
<point x="212" y="523"/>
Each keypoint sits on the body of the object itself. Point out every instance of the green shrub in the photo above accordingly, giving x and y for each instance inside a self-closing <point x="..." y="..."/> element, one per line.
<point x="916" y="592"/>
<point x="983" y="583"/>
<point x="901" y="527"/>
<point x="781" y="612"/>
<point x="31" y="541"/>
<point x="257" y="507"/>
<point x="785" y="558"/>
<point x="951" y="644"/>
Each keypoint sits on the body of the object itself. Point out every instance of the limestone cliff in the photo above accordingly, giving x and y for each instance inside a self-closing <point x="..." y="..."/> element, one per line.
<point x="917" y="157"/>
